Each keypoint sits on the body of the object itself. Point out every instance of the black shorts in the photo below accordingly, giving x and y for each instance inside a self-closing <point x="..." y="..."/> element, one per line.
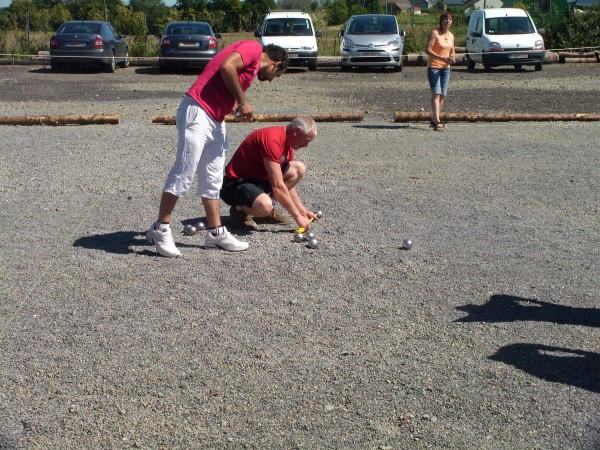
<point x="243" y="191"/>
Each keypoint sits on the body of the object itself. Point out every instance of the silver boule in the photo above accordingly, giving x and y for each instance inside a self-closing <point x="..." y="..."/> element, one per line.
<point x="313" y="243"/>
<point x="200" y="226"/>
<point x="298" y="237"/>
<point x="407" y="244"/>
<point x="192" y="230"/>
<point x="319" y="214"/>
<point x="310" y="235"/>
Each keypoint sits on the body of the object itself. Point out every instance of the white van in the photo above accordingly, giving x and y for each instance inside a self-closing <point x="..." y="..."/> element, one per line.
<point x="503" y="36"/>
<point x="294" y="31"/>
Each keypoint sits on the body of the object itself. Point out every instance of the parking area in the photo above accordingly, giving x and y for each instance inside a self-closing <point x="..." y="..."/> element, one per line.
<point x="484" y="335"/>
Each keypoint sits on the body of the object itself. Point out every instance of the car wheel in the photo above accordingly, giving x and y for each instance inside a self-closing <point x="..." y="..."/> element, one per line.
<point x="538" y="67"/>
<point x="56" y="66"/>
<point x="125" y="62"/>
<point x="111" y="66"/>
<point x="470" y="64"/>
<point x="518" y="66"/>
<point x="398" y="68"/>
<point x="312" y="66"/>
<point x="345" y="68"/>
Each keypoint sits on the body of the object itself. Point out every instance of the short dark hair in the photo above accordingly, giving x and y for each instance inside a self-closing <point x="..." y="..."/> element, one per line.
<point x="277" y="54"/>
<point x="444" y="15"/>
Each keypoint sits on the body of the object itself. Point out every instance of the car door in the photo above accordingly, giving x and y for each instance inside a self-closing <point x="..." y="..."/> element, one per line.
<point x="117" y="43"/>
<point x="475" y="37"/>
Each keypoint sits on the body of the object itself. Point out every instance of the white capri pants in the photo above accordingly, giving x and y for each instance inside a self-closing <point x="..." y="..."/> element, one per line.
<point x="201" y="148"/>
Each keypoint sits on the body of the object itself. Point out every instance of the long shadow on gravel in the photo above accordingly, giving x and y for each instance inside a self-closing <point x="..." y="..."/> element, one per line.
<point x="555" y="364"/>
<point x="509" y="308"/>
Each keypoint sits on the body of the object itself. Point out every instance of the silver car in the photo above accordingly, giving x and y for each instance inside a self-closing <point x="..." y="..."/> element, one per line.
<point x="372" y="40"/>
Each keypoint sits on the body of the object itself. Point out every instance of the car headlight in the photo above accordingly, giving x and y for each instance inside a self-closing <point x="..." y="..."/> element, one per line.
<point x="348" y="43"/>
<point x="539" y="44"/>
<point x="495" y="47"/>
<point x="394" y="43"/>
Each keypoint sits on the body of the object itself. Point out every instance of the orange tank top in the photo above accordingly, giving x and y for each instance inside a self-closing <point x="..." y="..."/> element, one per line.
<point x="442" y="47"/>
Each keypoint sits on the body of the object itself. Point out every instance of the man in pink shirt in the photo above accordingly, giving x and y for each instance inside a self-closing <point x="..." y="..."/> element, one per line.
<point x="202" y="138"/>
<point x="263" y="168"/>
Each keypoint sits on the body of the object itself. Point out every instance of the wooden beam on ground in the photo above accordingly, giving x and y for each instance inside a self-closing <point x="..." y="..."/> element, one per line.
<point x="331" y="117"/>
<point x="425" y="116"/>
<point x="90" y="119"/>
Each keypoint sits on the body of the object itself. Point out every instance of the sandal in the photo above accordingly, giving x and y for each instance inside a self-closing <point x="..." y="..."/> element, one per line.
<point x="438" y="126"/>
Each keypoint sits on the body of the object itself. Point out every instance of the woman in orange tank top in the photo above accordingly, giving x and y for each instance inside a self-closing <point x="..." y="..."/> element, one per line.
<point x="440" y="55"/>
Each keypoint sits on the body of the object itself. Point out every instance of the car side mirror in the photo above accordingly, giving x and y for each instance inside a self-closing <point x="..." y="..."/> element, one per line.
<point x="257" y="33"/>
<point x="476" y="34"/>
<point x="319" y="33"/>
<point x="541" y="31"/>
<point x="218" y="35"/>
<point x="403" y="33"/>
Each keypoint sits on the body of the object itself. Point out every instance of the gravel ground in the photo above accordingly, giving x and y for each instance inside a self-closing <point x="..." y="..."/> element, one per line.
<point x="484" y="335"/>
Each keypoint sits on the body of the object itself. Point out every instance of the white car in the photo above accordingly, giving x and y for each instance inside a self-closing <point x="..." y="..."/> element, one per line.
<point x="372" y="40"/>
<point x="503" y="36"/>
<point x="293" y="31"/>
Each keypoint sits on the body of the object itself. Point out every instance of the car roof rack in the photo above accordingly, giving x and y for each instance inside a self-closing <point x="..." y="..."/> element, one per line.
<point x="303" y="10"/>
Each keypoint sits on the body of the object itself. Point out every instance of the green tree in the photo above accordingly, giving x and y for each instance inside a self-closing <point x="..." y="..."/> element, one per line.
<point x="337" y="12"/>
<point x="231" y="11"/>
<point x="154" y="10"/>
<point x="58" y="15"/>
<point x="93" y="9"/>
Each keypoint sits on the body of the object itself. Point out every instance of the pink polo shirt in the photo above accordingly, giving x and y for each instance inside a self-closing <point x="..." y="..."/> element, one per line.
<point x="210" y="91"/>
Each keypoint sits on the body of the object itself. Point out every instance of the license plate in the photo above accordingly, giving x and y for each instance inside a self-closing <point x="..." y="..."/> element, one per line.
<point x="189" y="44"/>
<point x="75" y="44"/>
<point x="292" y="55"/>
<point x="519" y="56"/>
<point x="369" y="53"/>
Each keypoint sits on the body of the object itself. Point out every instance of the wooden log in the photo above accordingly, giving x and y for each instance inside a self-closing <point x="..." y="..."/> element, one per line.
<point x="418" y="116"/>
<point x="577" y="54"/>
<point x="578" y="57"/>
<point x="91" y="119"/>
<point x="330" y="117"/>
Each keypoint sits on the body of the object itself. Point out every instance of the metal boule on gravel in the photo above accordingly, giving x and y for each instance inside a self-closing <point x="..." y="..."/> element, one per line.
<point x="310" y="235"/>
<point x="319" y="214"/>
<point x="299" y="237"/>
<point x="313" y="243"/>
<point x="200" y="226"/>
<point x="190" y="230"/>
<point x="407" y="244"/>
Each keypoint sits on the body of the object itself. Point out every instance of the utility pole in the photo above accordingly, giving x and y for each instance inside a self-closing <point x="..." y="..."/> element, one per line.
<point x="105" y="14"/>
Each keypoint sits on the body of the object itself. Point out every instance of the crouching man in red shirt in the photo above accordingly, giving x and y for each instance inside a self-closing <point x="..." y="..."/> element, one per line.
<point x="263" y="169"/>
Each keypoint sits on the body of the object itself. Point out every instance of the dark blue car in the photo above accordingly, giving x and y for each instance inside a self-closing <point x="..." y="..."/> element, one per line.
<point x="88" y="43"/>
<point x="187" y="44"/>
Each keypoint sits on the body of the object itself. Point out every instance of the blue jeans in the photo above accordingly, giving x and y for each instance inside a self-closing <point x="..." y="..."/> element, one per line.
<point x="438" y="80"/>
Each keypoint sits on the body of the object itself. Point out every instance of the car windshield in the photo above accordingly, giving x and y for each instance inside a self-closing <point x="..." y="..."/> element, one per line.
<point x="288" y="27"/>
<point x="80" y="27"/>
<point x="509" y="25"/>
<point x="373" y="25"/>
<point x="189" y="28"/>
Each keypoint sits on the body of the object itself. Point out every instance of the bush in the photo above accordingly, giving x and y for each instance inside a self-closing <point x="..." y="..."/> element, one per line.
<point x="574" y="31"/>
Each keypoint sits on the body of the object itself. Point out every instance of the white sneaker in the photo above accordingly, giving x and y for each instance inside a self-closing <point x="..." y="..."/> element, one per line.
<point x="163" y="240"/>
<point x="225" y="241"/>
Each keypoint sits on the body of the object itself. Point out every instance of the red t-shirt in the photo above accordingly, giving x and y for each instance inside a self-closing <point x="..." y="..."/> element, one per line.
<point x="247" y="161"/>
<point x="210" y="91"/>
